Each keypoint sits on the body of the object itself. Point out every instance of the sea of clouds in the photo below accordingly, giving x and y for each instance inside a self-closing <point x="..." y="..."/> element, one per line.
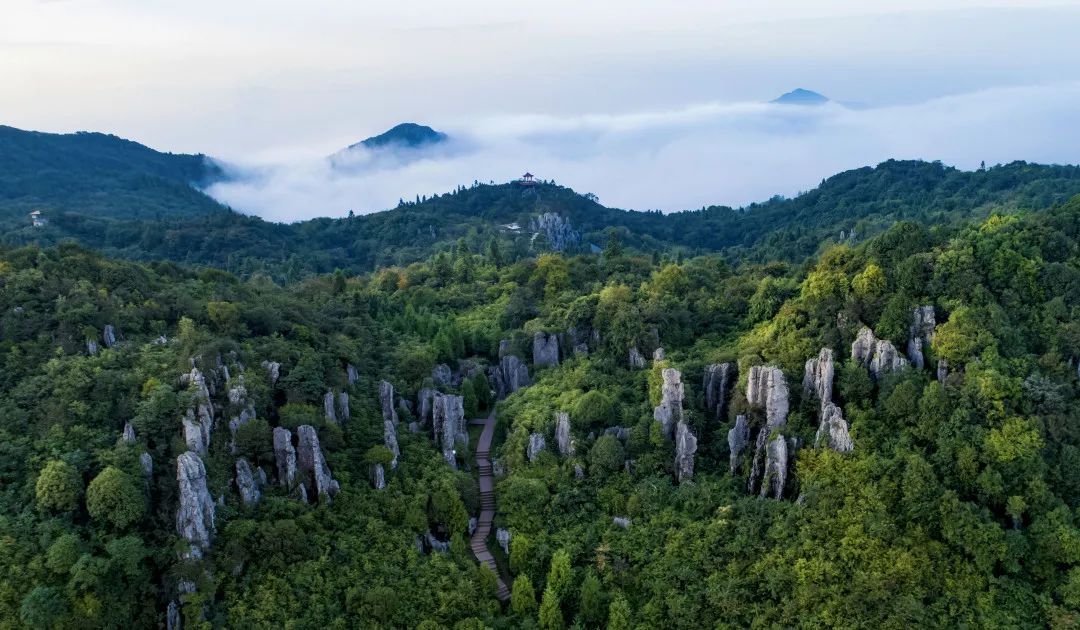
<point x="703" y="154"/>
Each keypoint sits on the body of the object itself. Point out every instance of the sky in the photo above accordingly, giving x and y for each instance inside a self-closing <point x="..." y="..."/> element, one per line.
<point x="649" y="105"/>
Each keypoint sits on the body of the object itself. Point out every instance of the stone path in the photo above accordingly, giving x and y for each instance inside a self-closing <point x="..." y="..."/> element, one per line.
<point x="478" y="542"/>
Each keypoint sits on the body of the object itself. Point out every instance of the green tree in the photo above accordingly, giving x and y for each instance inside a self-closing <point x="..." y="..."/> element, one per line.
<point x="606" y="455"/>
<point x="59" y="487"/>
<point x="560" y="574"/>
<point x="619" y="613"/>
<point x="116" y="498"/>
<point x="43" y="607"/>
<point x="522" y="596"/>
<point x="550" y="616"/>
<point x="592" y="604"/>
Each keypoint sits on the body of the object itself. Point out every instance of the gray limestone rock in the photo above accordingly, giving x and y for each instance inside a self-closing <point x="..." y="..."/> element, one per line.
<point x="557" y="229"/>
<point x="284" y="457"/>
<point x="196" y="434"/>
<point x="386" y="402"/>
<point x="424" y="404"/>
<point x="442" y="375"/>
<point x="537" y="444"/>
<point x="390" y="440"/>
<point x="942" y="370"/>
<point x="448" y="424"/>
<point x="562" y="434"/>
<point x="435" y="544"/>
<point x="273" y="369"/>
<point x="545" y="349"/>
<point x="670" y="410"/>
<point x="818" y="376"/>
<point x="502" y="536"/>
<point x="621" y="521"/>
<point x="685" y="447"/>
<point x="581" y="350"/>
<point x="378" y="477"/>
<point x="579" y="472"/>
<point x="351" y="374"/>
<point x="718" y="384"/>
<point x="738" y="438"/>
<point x="109" y="336"/>
<point x="920" y="333"/>
<point x="91" y="347"/>
<point x="128" y="435"/>
<point x="766" y="388"/>
<point x="328" y="407"/>
<point x="879" y="356"/>
<point x="776" y="465"/>
<point x="343" y="406"/>
<point x="620" y="432"/>
<point x="173" y="620"/>
<point x="246" y="483"/>
<point x="510" y="375"/>
<point x="636" y="360"/>
<point x="195" y="514"/>
<point x="312" y="463"/>
<point x="833" y="430"/>
<point x="505" y="347"/>
<point x="472" y="525"/>
<point x="658" y="354"/>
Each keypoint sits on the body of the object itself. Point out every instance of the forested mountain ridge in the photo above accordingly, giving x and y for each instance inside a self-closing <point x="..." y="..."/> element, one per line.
<point x="885" y="435"/>
<point x="136" y="203"/>
<point x="98" y="175"/>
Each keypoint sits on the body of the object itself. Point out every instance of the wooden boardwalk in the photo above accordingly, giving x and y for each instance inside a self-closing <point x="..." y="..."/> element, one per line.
<point x="478" y="542"/>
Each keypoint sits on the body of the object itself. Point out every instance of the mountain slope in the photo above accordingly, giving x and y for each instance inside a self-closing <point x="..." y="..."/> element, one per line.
<point x="97" y="174"/>
<point x="799" y="96"/>
<point x="408" y="134"/>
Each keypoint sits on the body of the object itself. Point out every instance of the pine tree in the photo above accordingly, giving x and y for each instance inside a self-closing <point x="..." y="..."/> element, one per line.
<point x="619" y="614"/>
<point x="522" y="596"/>
<point x="550" y="617"/>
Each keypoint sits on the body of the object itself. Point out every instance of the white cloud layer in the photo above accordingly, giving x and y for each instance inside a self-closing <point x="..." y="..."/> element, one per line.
<point x="712" y="153"/>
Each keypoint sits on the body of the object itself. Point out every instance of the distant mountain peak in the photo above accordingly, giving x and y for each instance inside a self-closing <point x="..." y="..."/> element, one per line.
<point x="800" y="96"/>
<point x="410" y="135"/>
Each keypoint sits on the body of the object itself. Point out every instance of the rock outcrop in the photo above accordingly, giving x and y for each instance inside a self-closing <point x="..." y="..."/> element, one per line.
<point x="659" y="355"/>
<point x="879" y="356"/>
<point x="91" y="347"/>
<point x="717" y="386"/>
<point x="558" y="231"/>
<point x="128" y="434"/>
<point x="378" y="477"/>
<point x="147" y="464"/>
<point x="343" y="406"/>
<point x="685" y="447"/>
<point x="390" y="430"/>
<point x="273" y="370"/>
<point x="562" y="434"/>
<point x="636" y="360"/>
<point x="386" y="402"/>
<point x="246" y="483"/>
<point x="537" y="444"/>
<point x="920" y="334"/>
<point x="738" y="439"/>
<point x="818" y="376"/>
<point x="351" y="374"/>
<point x="670" y="410"/>
<point x="502" y="536"/>
<point x="942" y="370"/>
<point x="545" y="349"/>
<point x="510" y="375"/>
<point x="311" y="462"/>
<point x="620" y="432"/>
<point x="424" y="404"/>
<point x="776" y="466"/>
<point x="108" y="335"/>
<point x="442" y="375"/>
<point x="199" y="418"/>
<point x="195" y="514"/>
<point x="833" y="430"/>
<point x="329" y="409"/>
<point x="766" y="388"/>
<point x="448" y="424"/>
<point x="284" y="457"/>
<point x="173" y="620"/>
<point x="621" y="521"/>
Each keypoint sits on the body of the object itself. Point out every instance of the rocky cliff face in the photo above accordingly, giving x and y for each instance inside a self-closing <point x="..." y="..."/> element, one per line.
<point x="425" y="400"/>
<point x="685" y="447"/>
<point x="776" y="466"/>
<point x="378" y="477"/>
<point x="537" y="444"/>
<point x="670" y="410"/>
<point x="942" y="370"/>
<point x="199" y="418"/>
<point x="247" y="483"/>
<point x="738" y="439"/>
<point x="108" y="335"/>
<point x="311" y="462"/>
<point x="273" y="370"/>
<point x="284" y="457"/>
<point x="329" y="409"/>
<point x="545" y="349"/>
<point x="818" y="376"/>
<point x="443" y="376"/>
<point x="920" y="334"/>
<point x="562" y="434"/>
<point x="390" y="420"/>
<point x="879" y="356"/>
<point x="717" y="386"/>
<point x="128" y="434"/>
<point x="833" y="430"/>
<point x="351" y="374"/>
<point x="508" y="376"/>
<point x="636" y="360"/>
<point x="195" y="514"/>
<point x="448" y="420"/>
<point x="766" y="388"/>
<point x="558" y="231"/>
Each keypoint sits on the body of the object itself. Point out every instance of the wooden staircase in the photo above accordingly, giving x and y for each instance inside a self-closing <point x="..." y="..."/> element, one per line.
<point x="478" y="542"/>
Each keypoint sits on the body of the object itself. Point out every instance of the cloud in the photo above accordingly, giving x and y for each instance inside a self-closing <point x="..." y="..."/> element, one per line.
<point x="712" y="153"/>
